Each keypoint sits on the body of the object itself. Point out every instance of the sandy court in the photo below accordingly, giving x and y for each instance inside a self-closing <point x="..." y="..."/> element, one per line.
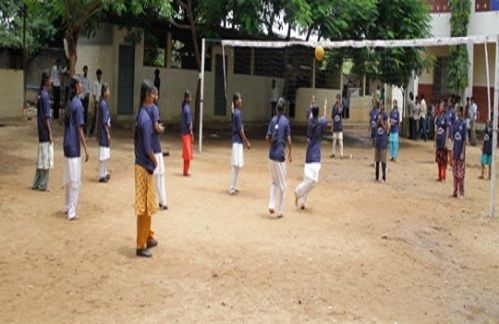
<point x="403" y="251"/>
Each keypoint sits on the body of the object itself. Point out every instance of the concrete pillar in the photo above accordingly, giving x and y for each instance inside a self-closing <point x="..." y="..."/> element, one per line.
<point x="168" y="52"/>
<point x="468" y="91"/>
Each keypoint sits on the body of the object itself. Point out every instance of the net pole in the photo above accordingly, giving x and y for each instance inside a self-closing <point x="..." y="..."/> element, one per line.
<point x="492" y="199"/>
<point x="489" y="107"/>
<point x="201" y="95"/>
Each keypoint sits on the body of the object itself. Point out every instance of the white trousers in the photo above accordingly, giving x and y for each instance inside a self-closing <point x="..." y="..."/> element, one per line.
<point x="233" y="179"/>
<point x="310" y="178"/>
<point x="160" y="179"/>
<point x="103" y="169"/>
<point x="338" y="137"/>
<point x="45" y="157"/>
<point x="72" y="183"/>
<point x="278" y="186"/>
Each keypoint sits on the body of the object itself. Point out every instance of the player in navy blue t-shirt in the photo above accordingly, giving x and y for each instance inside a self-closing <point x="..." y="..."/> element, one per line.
<point x="145" y="164"/>
<point x="486" y="157"/>
<point x="45" y="158"/>
<point x="278" y="135"/>
<point x="238" y="138"/>
<point x="312" y="167"/>
<point x="104" y="129"/>
<point x="441" y="135"/>
<point x="460" y="136"/>
<point x="73" y="136"/>
<point x="381" y="145"/>
<point x="337" y="126"/>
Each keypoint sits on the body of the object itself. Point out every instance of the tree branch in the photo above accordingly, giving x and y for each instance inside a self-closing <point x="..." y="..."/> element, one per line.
<point x="179" y="26"/>
<point x="182" y="4"/>
<point x="92" y="10"/>
<point x="67" y="10"/>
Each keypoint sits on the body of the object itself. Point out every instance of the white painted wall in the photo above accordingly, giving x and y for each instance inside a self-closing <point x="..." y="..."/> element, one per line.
<point x="11" y="92"/>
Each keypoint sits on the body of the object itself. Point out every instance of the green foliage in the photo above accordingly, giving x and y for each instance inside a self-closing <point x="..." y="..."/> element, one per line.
<point x="39" y="31"/>
<point x="457" y="74"/>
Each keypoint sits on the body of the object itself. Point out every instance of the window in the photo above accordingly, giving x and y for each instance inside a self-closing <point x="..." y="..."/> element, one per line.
<point x="269" y="62"/>
<point x="438" y="6"/>
<point x="154" y="50"/>
<point x="486" y="5"/>
<point x="242" y="60"/>
<point x="183" y="56"/>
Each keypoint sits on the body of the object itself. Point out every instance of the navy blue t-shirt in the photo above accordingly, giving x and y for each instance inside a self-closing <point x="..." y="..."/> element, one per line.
<point x="43" y="113"/>
<point x="237" y="125"/>
<point x="143" y="136"/>
<point x="104" y="119"/>
<point x="459" y="134"/>
<point x="381" y="139"/>
<point x="337" y="120"/>
<point x="487" y="140"/>
<point x="451" y="118"/>
<point x="186" y="119"/>
<point x="441" y="123"/>
<point x="394" y="121"/>
<point x="71" y="137"/>
<point x="155" y="143"/>
<point x="313" y="154"/>
<point x="277" y="149"/>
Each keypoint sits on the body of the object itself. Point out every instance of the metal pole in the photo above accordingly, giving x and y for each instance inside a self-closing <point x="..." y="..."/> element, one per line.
<point x="489" y="106"/>
<point x="25" y="56"/>
<point x="201" y="96"/>
<point x="492" y="199"/>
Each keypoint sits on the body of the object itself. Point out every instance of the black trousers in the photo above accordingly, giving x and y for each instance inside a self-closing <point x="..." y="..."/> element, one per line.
<point x="85" y="114"/>
<point x="94" y="119"/>
<point x="56" y="92"/>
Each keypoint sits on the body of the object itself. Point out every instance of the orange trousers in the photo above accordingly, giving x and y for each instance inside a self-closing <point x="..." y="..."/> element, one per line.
<point x="145" y="205"/>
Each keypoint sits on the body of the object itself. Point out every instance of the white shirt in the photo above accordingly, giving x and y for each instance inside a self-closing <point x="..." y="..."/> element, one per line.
<point x="275" y="95"/>
<point x="473" y="111"/>
<point x="424" y="108"/>
<point x="85" y="87"/>
<point x="56" y="81"/>
<point x="97" y="89"/>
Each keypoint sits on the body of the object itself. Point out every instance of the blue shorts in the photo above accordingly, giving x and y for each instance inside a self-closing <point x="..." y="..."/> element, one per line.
<point x="486" y="159"/>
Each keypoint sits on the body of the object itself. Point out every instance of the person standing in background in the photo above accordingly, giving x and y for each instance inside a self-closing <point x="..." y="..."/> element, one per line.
<point x="56" y="86"/>
<point x="85" y="96"/>
<point x="394" y="131"/>
<point x="273" y="99"/>
<point x="410" y="112"/>
<point x="157" y="80"/>
<point x="337" y="127"/>
<point x="423" y="120"/>
<point x="97" y="94"/>
<point x="473" y="114"/>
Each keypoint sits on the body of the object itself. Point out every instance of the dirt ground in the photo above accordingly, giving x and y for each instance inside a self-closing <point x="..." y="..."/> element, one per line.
<point x="404" y="251"/>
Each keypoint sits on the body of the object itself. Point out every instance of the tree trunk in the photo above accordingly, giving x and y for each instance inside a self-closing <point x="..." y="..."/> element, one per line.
<point x="71" y="36"/>
<point x="197" y="54"/>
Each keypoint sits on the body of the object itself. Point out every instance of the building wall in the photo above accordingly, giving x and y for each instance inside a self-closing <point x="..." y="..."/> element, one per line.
<point x="95" y="57"/>
<point x="11" y="92"/>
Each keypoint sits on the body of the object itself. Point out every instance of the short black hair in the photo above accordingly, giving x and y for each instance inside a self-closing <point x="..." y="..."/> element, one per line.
<point x="85" y="67"/>
<point x="99" y="72"/>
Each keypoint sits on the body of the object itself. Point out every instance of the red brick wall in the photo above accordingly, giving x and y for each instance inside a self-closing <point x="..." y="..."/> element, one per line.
<point x="427" y="91"/>
<point x="438" y="5"/>
<point x="480" y="94"/>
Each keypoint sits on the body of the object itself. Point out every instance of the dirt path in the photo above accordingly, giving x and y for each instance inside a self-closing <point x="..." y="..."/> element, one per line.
<point x="403" y="251"/>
